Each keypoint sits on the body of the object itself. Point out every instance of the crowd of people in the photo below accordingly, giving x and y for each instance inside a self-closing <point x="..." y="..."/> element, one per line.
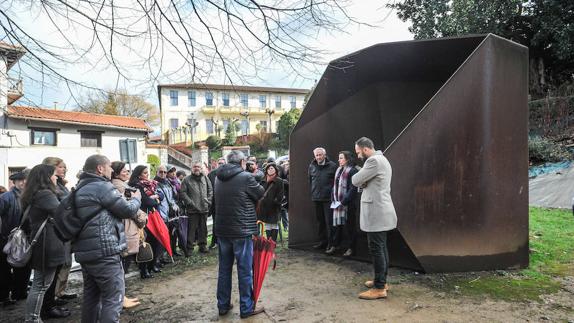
<point x="110" y="224"/>
<point x="112" y="205"/>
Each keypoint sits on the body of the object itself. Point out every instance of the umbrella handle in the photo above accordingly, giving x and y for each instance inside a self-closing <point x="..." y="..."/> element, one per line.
<point x="261" y="225"/>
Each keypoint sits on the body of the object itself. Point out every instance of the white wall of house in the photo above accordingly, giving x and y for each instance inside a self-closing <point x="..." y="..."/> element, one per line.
<point x="20" y="153"/>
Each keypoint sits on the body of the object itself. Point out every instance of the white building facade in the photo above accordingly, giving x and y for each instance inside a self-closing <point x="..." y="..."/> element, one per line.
<point x="211" y="108"/>
<point x="31" y="134"/>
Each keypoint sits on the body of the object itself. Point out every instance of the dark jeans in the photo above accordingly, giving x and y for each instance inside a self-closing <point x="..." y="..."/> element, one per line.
<point x="13" y="280"/>
<point x="285" y="218"/>
<point x="197" y="221"/>
<point x="324" y="216"/>
<point x="104" y="290"/>
<point x="50" y="295"/>
<point x="380" y="256"/>
<point x="241" y="250"/>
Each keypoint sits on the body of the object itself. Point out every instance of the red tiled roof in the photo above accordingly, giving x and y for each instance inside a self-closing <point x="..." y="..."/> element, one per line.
<point x="101" y="120"/>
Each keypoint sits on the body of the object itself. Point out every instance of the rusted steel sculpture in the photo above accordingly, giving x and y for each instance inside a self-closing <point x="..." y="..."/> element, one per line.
<point x="451" y="116"/>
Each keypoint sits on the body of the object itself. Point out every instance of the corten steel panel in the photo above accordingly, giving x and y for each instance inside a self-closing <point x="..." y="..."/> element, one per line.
<point x="451" y="117"/>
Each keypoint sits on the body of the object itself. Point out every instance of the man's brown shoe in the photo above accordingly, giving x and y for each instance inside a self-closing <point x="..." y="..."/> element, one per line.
<point x="373" y="293"/>
<point x="257" y="310"/>
<point x="371" y="284"/>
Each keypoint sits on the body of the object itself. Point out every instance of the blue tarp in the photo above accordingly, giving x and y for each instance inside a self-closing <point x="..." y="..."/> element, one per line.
<point x="547" y="168"/>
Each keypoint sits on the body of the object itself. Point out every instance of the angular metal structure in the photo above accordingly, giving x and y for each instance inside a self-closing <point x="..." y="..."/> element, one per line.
<point x="451" y="116"/>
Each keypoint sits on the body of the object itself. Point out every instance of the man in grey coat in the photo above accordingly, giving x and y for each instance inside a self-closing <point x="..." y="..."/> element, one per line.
<point x="378" y="214"/>
<point x="197" y="195"/>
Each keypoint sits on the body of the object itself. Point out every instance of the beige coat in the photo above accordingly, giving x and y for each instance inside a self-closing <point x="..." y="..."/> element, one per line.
<point x="377" y="209"/>
<point x="131" y="227"/>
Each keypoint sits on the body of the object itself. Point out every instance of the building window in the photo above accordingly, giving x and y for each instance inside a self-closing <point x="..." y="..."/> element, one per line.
<point x="174" y="123"/>
<point x="209" y="99"/>
<point x="43" y="137"/>
<point x="263" y="101"/>
<point x="173" y="98"/>
<point x="209" y="126"/>
<point x="263" y="125"/>
<point x="244" y="98"/>
<point x="225" y="99"/>
<point x="278" y="102"/>
<point x="245" y="127"/>
<point x="90" y="139"/>
<point x="191" y="98"/>
<point x="129" y="150"/>
<point x="293" y="102"/>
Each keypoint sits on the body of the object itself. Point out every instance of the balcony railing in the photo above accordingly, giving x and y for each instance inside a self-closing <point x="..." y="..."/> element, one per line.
<point x="237" y="110"/>
<point x="15" y="90"/>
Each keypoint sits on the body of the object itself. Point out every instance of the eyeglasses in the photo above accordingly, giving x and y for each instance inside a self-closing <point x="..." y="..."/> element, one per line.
<point x="162" y="172"/>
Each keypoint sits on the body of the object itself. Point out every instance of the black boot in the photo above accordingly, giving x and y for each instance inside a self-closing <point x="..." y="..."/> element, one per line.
<point x="144" y="272"/>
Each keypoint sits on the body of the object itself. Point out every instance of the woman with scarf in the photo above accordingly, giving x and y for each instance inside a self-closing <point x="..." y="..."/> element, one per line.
<point x="269" y="205"/>
<point x="42" y="198"/>
<point x="120" y="176"/>
<point x="343" y="205"/>
<point x="60" y="281"/>
<point x="151" y="199"/>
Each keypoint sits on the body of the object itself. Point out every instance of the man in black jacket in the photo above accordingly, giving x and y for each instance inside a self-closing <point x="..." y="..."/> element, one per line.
<point x="236" y="193"/>
<point x="12" y="279"/>
<point x="321" y="176"/>
<point x="100" y="239"/>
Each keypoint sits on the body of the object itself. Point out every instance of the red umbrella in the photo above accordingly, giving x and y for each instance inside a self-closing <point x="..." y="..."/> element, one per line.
<point x="159" y="230"/>
<point x="263" y="253"/>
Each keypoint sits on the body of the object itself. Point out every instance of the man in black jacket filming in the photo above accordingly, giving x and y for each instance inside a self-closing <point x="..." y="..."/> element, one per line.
<point x="236" y="194"/>
<point x="100" y="239"/>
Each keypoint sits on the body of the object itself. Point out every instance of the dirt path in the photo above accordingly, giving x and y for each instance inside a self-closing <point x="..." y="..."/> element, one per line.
<point x="309" y="287"/>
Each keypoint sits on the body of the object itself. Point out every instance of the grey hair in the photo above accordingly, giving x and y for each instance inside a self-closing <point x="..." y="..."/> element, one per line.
<point x="160" y="166"/>
<point x="320" y="148"/>
<point x="92" y="163"/>
<point x="197" y="162"/>
<point x="365" y="142"/>
<point x="235" y="157"/>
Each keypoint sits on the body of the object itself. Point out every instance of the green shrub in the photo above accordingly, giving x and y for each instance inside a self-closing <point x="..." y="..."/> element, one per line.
<point x="153" y="162"/>
<point x="213" y="142"/>
<point x="542" y="150"/>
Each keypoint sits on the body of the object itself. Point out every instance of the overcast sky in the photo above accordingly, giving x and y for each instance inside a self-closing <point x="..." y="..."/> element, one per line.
<point x="389" y="28"/>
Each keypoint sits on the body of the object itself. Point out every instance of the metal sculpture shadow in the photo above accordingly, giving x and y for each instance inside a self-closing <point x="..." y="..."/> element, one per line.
<point x="451" y="116"/>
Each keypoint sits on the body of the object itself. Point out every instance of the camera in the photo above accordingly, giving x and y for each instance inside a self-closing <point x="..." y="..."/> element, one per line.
<point x="129" y="190"/>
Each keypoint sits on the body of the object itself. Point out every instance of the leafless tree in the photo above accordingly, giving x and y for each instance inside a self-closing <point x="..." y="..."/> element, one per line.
<point x="229" y="41"/>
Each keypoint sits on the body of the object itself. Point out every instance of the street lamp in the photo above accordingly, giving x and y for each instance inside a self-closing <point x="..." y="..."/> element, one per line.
<point x="191" y="124"/>
<point x="245" y="114"/>
<point x="270" y="111"/>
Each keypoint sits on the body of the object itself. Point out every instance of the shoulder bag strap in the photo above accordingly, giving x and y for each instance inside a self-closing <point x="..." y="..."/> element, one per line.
<point x="25" y="216"/>
<point x="33" y="242"/>
<point x="267" y="190"/>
